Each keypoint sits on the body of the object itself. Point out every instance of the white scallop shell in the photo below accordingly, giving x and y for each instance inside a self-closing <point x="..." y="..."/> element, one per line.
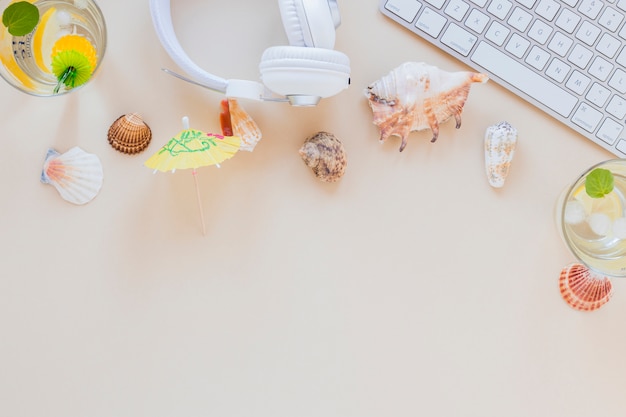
<point x="76" y="174"/>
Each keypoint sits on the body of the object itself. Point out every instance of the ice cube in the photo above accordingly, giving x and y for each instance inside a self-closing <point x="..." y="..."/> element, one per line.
<point x="574" y="212"/>
<point x="600" y="223"/>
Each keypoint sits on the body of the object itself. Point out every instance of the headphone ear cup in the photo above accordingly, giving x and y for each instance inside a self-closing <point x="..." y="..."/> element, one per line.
<point x="295" y="70"/>
<point x="308" y="23"/>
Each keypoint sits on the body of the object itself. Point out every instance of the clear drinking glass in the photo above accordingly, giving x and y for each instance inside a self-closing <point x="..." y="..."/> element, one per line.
<point x="62" y="52"/>
<point x="594" y="230"/>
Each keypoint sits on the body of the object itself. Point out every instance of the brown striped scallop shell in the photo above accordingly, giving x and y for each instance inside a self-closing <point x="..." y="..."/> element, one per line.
<point x="129" y="134"/>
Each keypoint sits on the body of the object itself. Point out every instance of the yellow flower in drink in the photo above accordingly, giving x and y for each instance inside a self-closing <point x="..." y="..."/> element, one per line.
<point x="74" y="60"/>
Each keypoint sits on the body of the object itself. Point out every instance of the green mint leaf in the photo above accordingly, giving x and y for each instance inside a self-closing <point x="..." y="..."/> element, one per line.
<point x="20" y="18"/>
<point x="598" y="183"/>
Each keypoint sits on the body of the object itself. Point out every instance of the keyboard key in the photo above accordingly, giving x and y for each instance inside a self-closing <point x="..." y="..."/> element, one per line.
<point x="580" y="56"/>
<point x="537" y="58"/>
<point x="617" y="107"/>
<point x="547" y="9"/>
<point x="578" y="82"/>
<point x="524" y="79"/>
<point x="520" y="19"/>
<point x="497" y="33"/>
<point x="598" y="95"/>
<point x="567" y="20"/>
<point x="540" y="31"/>
<point x="431" y="22"/>
<point x="618" y="81"/>
<point x="558" y="70"/>
<point x="560" y="44"/>
<point x="405" y="9"/>
<point x="600" y="68"/>
<point x="477" y="21"/>
<point x="587" y="117"/>
<point x="499" y="8"/>
<point x="456" y="9"/>
<point x="459" y="39"/>
<point x="590" y="8"/>
<point x="517" y="45"/>
<point x="588" y="33"/>
<point x="608" y="45"/>
<point x="611" y="19"/>
<point x="610" y="131"/>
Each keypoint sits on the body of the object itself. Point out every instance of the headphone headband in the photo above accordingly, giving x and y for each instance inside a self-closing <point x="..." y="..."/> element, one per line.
<point x="320" y="76"/>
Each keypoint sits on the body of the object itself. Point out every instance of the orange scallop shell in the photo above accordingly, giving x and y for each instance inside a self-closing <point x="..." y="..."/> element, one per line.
<point x="129" y="134"/>
<point x="582" y="290"/>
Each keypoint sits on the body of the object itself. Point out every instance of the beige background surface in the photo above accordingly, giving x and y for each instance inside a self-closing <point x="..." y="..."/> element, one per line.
<point x="411" y="287"/>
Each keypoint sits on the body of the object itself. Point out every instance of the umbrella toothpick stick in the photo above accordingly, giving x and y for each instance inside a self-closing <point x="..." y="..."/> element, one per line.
<point x="194" y="172"/>
<point x="195" y="179"/>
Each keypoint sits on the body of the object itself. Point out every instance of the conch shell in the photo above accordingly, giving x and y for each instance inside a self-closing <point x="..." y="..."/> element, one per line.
<point x="325" y="155"/>
<point x="417" y="96"/>
<point x="500" y="141"/>
<point x="235" y="121"/>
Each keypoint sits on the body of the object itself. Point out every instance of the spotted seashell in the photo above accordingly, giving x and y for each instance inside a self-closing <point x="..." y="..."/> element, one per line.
<point x="129" y="134"/>
<point x="416" y="96"/>
<point x="500" y="142"/>
<point x="583" y="290"/>
<point x="76" y="174"/>
<point x="325" y="155"/>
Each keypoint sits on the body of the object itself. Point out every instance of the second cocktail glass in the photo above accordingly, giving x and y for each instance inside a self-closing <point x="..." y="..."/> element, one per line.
<point x="591" y="219"/>
<point x="50" y="47"/>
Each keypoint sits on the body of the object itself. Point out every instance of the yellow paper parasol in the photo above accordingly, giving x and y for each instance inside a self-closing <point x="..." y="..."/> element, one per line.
<point x="194" y="149"/>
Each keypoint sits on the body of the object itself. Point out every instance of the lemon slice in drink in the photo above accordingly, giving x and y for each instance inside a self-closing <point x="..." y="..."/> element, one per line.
<point x="45" y="34"/>
<point x="608" y="205"/>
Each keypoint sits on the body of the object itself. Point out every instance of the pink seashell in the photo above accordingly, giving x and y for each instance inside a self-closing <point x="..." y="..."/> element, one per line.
<point x="582" y="289"/>
<point x="76" y="174"/>
<point x="416" y="96"/>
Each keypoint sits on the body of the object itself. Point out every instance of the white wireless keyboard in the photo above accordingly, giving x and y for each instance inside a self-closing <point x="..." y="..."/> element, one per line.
<point x="567" y="57"/>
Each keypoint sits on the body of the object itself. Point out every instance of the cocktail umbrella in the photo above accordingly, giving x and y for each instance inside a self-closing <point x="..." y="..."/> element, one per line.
<point x="194" y="149"/>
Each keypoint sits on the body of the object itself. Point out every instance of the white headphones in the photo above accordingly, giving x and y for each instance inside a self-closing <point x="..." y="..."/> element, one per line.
<point x="302" y="73"/>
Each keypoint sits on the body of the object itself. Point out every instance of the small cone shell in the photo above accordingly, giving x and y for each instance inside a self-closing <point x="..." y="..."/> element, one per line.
<point x="500" y="142"/>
